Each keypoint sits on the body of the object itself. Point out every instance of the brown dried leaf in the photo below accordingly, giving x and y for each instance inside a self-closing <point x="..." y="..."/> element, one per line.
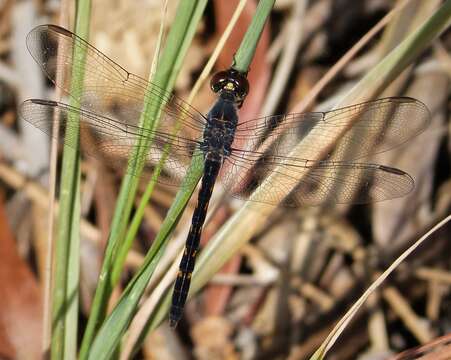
<point x="20" y="299"/>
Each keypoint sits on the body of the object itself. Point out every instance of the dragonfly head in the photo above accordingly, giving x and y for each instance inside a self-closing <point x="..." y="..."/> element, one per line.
<point x="231" y="83"/>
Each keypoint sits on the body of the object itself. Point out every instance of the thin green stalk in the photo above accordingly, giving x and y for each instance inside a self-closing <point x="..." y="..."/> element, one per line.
<point x="136" y="221"/>
<point x="243" y="57"/>
<point x="111" y="331"/>
<point x="67" y="266"/>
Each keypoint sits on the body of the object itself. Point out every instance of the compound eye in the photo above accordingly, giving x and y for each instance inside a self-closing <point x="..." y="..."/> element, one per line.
<point x="217" y="81"/>
<point x="242" y="85"/>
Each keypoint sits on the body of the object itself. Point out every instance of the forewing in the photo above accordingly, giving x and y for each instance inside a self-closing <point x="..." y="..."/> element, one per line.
<point x="361" y="130"/>
<point x="107" y="88"/>
<point x="112" y="141"/>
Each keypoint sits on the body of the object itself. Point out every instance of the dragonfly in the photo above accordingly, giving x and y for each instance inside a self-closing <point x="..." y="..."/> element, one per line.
<point x="239" y="155"/>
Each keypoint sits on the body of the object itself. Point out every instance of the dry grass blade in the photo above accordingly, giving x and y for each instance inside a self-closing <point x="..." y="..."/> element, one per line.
<point x="339" y="328"/>
<point x="438" y="349"/>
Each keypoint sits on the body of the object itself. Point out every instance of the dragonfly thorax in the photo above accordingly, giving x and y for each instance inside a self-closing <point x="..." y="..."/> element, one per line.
<point x="220" y="130"/>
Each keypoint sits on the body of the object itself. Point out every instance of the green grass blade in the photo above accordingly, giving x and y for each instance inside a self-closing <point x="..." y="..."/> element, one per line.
<point x="67" y="255"/>
<point x="137" y="218"/>
<point x="246" y="51"/>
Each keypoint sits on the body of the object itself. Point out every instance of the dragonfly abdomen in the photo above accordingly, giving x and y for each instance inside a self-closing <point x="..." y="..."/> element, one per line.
<point x="183" y="280"/>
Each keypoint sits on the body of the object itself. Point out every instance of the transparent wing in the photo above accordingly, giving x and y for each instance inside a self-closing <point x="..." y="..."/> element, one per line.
<point x="110" y="140"/>
<point x="108" y="89"/>
<point x="363" y="130"/>
<point x="303" y="182"/>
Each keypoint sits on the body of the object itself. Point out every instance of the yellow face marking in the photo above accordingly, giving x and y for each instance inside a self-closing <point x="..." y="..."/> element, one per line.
<point x="229" y="86"/>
